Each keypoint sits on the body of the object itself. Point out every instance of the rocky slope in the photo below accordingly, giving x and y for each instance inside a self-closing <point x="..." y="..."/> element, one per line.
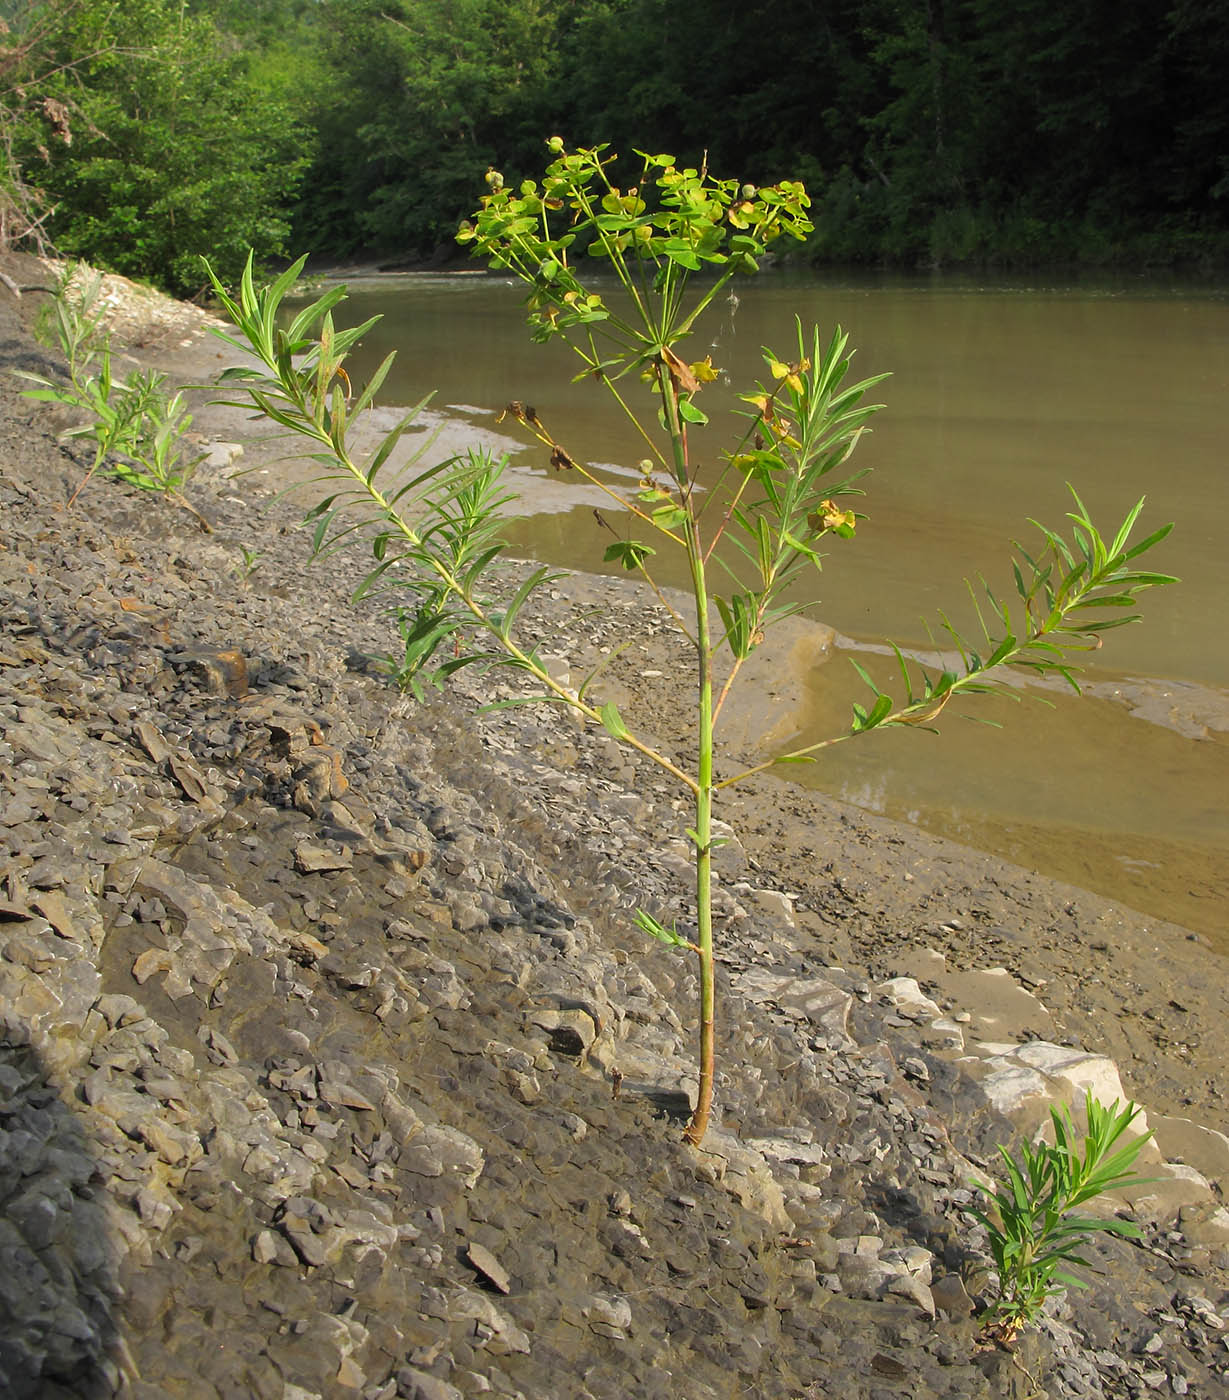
<point x="330" y="1066"/>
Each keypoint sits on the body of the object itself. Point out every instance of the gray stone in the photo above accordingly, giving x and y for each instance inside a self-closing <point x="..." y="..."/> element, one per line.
<point x="571" y="1032"/>
<point x="413" y="1384"/>
<point x="493" y="1329"/>
<point x="905" y="994"/>
<point x="488" y="1266"/>
<point x="313" y="859"/>
<point x="455" y="1151"/>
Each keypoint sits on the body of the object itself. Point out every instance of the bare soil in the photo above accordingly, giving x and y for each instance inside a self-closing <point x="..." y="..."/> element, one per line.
<point x="368" y="1151"/>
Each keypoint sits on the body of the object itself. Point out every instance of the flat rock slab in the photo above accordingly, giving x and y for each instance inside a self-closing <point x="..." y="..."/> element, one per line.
<point x="311" y="859"/>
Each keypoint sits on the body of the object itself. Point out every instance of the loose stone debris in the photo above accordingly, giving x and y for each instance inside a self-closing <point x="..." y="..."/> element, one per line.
<point x="312" y="1002"/>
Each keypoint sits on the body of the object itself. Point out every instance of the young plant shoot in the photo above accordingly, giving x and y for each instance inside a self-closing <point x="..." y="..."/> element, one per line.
<point x="1035" y="1234"/>
<point x="746" y="538"/>
<point x="138" y="431"/>
<point x="780" y="489"/>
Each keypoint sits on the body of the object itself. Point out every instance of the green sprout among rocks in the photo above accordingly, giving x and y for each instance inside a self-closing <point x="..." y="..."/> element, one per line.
<point x="748" y="538"/>
<point x="136" y="427"/>
<point x="1035" y="1234"/>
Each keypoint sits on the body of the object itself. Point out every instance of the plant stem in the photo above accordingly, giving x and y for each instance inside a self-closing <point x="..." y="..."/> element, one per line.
<point x="704" y="852"/>
<point x="703" y="789"/>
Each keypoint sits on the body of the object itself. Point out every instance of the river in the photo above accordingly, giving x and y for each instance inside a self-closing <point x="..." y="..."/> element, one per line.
<point x="1000" y="394"/>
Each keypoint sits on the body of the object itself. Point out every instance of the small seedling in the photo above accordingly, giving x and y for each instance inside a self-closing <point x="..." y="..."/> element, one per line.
<point x="73" y="318"/>
<point x="136" y="429"/>
<point x="1035" y="1236"/>
<point x="250" y="562"/>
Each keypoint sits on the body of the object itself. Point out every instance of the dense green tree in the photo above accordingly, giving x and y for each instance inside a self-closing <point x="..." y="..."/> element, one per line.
<point x="1079" y="94"/>
<point x="31" y="117"/>
<point x="1197" y="57"/>
<point x="757" y="85"/>
<point x="929" y="131"/>
<point x="423" y="96"/>
<point x="912" y="173"/>
<point x="176" y="151"/>
<point x="264" y="23"/>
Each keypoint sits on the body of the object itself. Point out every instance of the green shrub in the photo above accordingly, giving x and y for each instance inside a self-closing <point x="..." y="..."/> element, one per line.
<point x="138" y="431"/>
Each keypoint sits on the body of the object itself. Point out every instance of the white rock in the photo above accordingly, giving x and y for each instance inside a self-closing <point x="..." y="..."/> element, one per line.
<point x="786" y="1150"/>
<point x="220" y="455"/>
<point x="1202" y="1148"/>
<point x="1010" y="1088"/>
<point x="905" y="993"/>
<point x="773" y="903"/>
<point x="945" y="1032"/>
<point x="1180" y="1172"/>
<point x="910" y="1286"/>
<point x="816" y="999"/>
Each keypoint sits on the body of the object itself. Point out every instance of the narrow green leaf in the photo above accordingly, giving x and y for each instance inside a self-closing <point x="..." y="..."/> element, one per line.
<point x="669" y="936"/>
<point x="1153" y="539"/>
<point x="539" y="576"/>
<point x="879" y="711"/>
<point x="1124" y="531"/>
<point x="614" y="721"/>
<point x="373" y="385"/>
<point x="862" y="671"/>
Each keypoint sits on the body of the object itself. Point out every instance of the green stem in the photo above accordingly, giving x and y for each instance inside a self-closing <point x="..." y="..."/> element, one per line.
<point x="479" y="614"/>
<point x="308" y="401"/>
<point x="619" y="399"/>
<point x="665" y="602"/>
<point x="703" y="784"/>
<point x="684" y="327"/>
<point x="704" y="859"/>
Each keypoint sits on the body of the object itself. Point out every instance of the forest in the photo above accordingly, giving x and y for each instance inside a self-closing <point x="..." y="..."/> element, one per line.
<point x="1072" y="134"/>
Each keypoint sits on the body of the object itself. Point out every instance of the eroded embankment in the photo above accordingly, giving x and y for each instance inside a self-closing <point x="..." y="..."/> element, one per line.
<point x="313" y="1003"/>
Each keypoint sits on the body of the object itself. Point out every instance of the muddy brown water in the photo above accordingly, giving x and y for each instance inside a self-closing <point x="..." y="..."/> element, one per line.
<point x="999" y="396"/>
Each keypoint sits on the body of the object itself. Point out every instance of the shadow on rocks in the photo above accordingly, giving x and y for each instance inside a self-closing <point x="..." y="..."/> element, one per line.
<point x="57" y="1273"/>
<point x="19" y="354"/>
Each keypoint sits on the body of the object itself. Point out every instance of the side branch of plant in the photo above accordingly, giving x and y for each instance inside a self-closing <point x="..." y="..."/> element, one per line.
<point x="305" y="390"/>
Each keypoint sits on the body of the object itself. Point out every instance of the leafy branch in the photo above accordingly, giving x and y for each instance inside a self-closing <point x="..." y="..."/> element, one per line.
<point x="1062" y="592"/>
<point x="433" y="535"/>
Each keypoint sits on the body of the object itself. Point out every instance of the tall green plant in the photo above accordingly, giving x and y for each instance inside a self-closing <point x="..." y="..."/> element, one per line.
<point x="757" y="529"/>
<point x="778" y="492"/>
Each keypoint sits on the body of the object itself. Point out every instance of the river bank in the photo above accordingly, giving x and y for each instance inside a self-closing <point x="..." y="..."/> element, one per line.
<point x="999" y="394"/>
<point x="313" y="1003"/>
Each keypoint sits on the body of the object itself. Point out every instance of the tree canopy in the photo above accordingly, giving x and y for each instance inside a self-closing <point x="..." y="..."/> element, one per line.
<point x="930" y="132"/>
